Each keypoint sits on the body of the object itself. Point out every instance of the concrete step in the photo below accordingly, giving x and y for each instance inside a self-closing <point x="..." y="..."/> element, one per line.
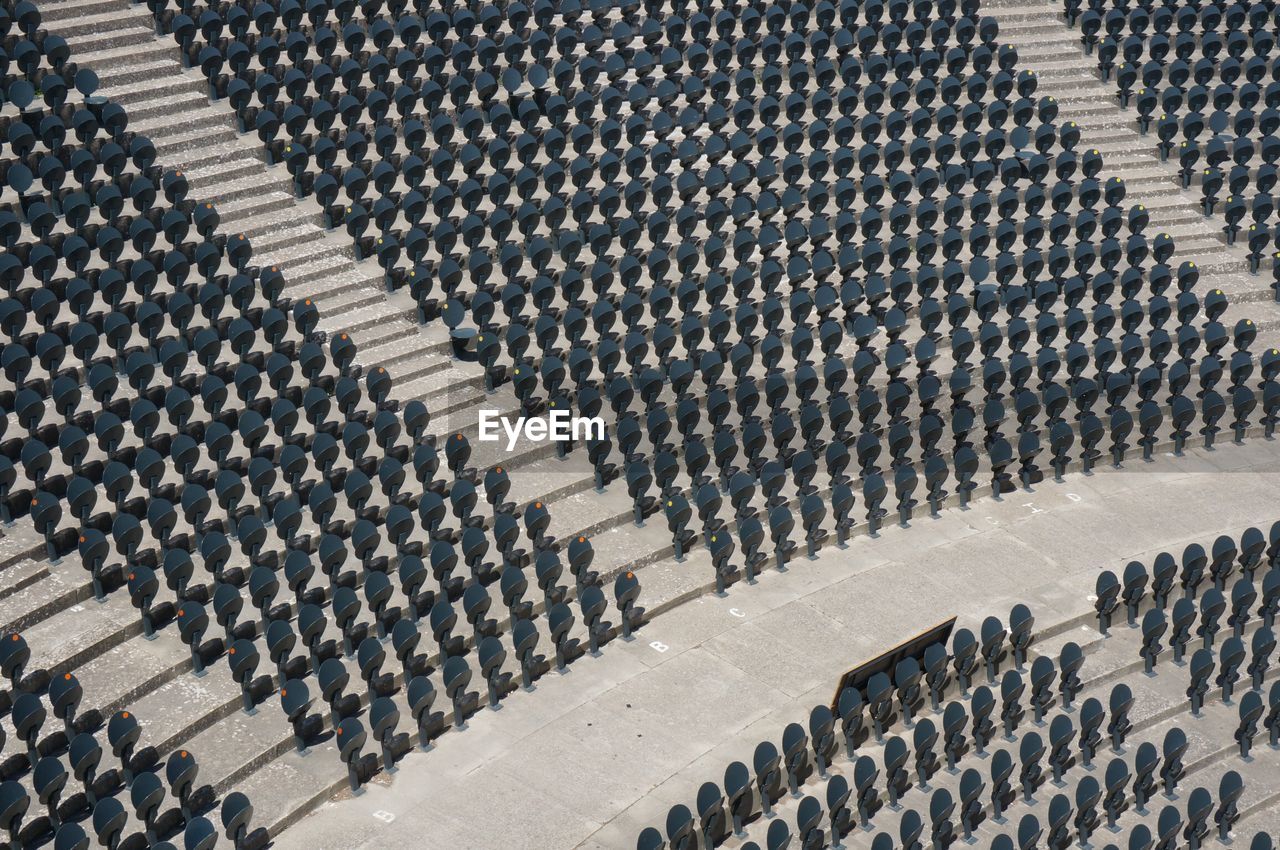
<point x="234" y="170"/>
<point x="404" y="357"/>
<point x="305" y="276"/>
<point x="441" y="392"/>
<point x="288" y="234"/>
<point x="351" y="287"/>
<point x="1151" y="178"/>
<point x="170" y="84"/>
<point x="137" y="670"/>
<point x="1028" y="25"/>
<point x="326" y="244"/>
<point x="250" y="215"/>
<point x="210" y="158"/>
<point x="41" y="599"/>
<point x="1032" y="50"/>
<point x="18" y="542"/>
<point x="21" y="575"/>
<point x="129" y="69"/>
<point x="103" y="23"/>
<point x="239" y="745"/>
<point x="1033" y="37"/>
<point x="1175" y="217"/>
<point x="230" y="169"/>
<point x="466" y="420"/>
<point x="427" y="342"/>
<point x="205" y="125"/>
<point x="63" y="10"/>
<point x="550" y="479"/>
<point x="291" y="786"/>
<point x="1093" y="109"/>
<point x="200" y="135"/>
<point x="1064" y="71"/>
<point x="361" y="319"/>
<point x="240" y="188"/>
<point x="1112" y="133"/>
<point x="63" y="624"/>
<point x="84" y="46"/>
<point x="1015" y="10"/>
<point x="1200" y="232"/>
<point x="347" y="301"/>
<point x="81" y="632"/>
<point x="329" y="270"/>
<point x="1116" y="153"/>
<point x="184" y="706"/>
<point x="107" y="59"/>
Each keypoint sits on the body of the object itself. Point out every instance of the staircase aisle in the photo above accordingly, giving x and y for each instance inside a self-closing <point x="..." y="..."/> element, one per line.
<point x="1051" y="49"/>
<point x="170" y="105"/>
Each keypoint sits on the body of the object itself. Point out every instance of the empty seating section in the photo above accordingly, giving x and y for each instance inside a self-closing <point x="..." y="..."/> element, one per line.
<point x="72" y="773"/>
<point x="177" y="426"/>
<point x="660" y="213"/>
<point x="1203" y="77"/>
<point x="1009" y="739"/>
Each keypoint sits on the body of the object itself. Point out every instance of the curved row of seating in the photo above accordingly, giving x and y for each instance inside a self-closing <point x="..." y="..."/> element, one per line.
<point x="875" y="171"/>
<point x="923" y="787"/>
<point x="1202" y="76"/>
<point x="1252" y="552"/>
<point x="59" y="766"/>
<point x="1251" y="643"/>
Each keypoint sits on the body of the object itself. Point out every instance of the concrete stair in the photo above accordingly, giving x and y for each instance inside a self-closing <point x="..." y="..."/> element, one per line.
<point x="1047" y="46"/>
<point x="170" y="104"/>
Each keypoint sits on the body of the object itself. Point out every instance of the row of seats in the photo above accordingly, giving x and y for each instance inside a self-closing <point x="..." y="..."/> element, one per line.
<point x="870" y="712"/>
<point x="1228" y="557"/>
<point x="59" y="766"/>
<point x="1251" y="643"/>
